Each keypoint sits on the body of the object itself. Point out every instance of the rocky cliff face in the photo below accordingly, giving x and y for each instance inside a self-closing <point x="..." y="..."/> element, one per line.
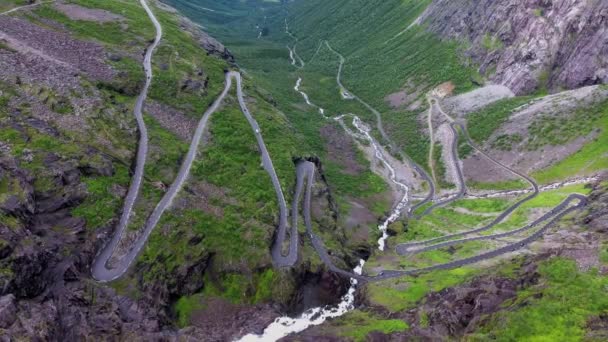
<point x="528" y="44"/>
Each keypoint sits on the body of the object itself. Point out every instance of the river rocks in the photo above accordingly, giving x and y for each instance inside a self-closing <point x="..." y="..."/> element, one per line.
<point x="223" y="321"/>
<point x="457" y="310"/>
<point x="526" y="45"/>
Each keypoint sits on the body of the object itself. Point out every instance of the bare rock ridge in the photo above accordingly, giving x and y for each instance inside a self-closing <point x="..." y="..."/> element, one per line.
<point x="528" y="44"/>
<point x="207" y="42"/>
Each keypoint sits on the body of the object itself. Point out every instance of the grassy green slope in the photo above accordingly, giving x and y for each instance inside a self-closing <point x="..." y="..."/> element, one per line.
<point x="376" y="66"/>
<point x="227" y="175"/>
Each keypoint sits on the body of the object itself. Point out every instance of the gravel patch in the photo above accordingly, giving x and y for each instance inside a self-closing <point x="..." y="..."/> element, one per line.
<point x="341" y="149"/>
<point x="172" y="119"/>
<point x="472" y="101"/>
<point x="445" y="137"/>
<point x="478" y="168"/>
<point x="56" y="47"/>
<point x="76" y="12"/>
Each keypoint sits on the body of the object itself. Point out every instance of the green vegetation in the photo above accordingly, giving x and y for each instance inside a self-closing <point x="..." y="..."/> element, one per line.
<point x="604" y="254"/>
<point x="357" y="324"/>
<point x="591" y="158"/>
<point x="440" y="222"/>
<point x="139" y="27"/>
<point x="483" y="123"/>
<point x="557" y="309"/>
<point x="559" y="130"/>
<point x="179" y="57"/>
<point x="545" y="200"/>
<point x="361" y="185"/>
<point x="376" y="65"/>
<point x="130" y="78"/>
<point x="234" y="151"/>
<point x="101" y="206"/>
<point x="483" y="205"/>
<point x="185" y="306"/>
<point x="401" y="294"/>
<point x="423" y="320"/>
<point x="179" y="60"/>
<point x="491" y="43"/>
<point x="9" y="4"/>
<point x="505" y="142"/>
<point x="234" y="288"/>
<point x="514" y="184"/>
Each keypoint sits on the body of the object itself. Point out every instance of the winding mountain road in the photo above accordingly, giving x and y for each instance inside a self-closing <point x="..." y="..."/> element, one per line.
<point x="306" y="170"/>
<point x="403" y="249"/>
<point x="561" y="207"/>
<point x="462" y="189"/>
<point x="554" y="215"/>
<point x="100" y="269"/>
<point x="102" y="272"/>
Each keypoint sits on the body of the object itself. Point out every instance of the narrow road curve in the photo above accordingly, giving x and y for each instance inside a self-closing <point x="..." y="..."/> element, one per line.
<point x="99" y="270"/>
<point x="25" y="6"/>
<point x="556" y="213"/>
<point x="307" y="170"/>
<point x="462" y="188"/>
<point x="292" y="256"/>
<point x="403" y="248"/>
<point x="562" y="206"/>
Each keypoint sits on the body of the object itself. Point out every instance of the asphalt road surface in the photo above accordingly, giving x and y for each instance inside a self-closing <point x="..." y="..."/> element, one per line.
<point x="99" y="270"/>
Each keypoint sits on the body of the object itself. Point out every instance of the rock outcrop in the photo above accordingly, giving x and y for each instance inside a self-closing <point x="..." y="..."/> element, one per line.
<point x="528" y="44"/>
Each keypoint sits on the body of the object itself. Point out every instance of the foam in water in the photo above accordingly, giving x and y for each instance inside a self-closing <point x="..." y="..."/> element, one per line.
<point x="284" y="326"/>
<point x="393" y="175"/>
